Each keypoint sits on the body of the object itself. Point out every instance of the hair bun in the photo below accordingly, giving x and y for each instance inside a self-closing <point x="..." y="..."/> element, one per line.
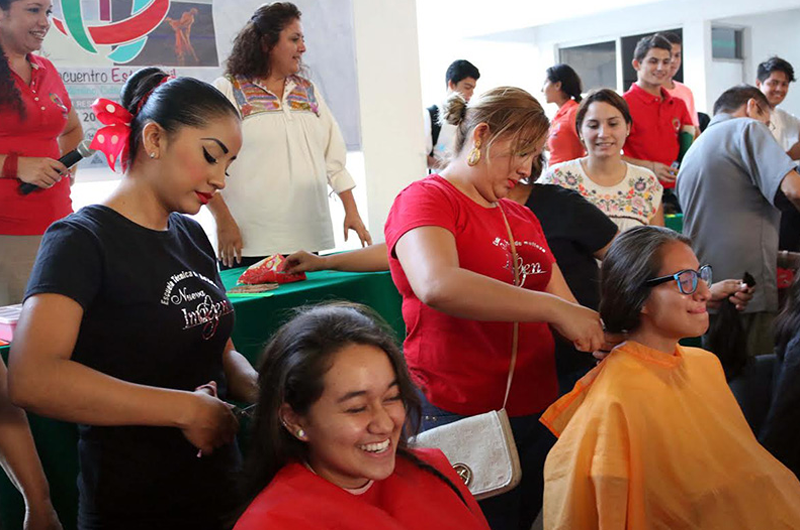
<point x="455" y="109"/>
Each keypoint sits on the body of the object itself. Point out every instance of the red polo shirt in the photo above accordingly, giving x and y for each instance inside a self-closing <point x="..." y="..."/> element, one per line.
<point x="563" y="142"/>
<point x="47" y="105"/>
<point x="656" y="125"/>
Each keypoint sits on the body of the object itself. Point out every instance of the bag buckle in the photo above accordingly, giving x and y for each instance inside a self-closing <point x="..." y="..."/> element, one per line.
<point x="464" y="472"/>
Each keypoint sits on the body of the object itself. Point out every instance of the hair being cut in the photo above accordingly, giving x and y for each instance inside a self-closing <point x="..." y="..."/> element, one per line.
<point x="634" y="257"/>
<point x="510" y="112"/>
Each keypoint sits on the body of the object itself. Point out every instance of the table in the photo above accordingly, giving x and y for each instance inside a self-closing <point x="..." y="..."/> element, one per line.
<point x="257" y="317"/>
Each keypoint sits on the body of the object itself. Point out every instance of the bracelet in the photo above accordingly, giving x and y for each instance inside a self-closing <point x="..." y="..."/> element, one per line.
<point x="10" y="166"/>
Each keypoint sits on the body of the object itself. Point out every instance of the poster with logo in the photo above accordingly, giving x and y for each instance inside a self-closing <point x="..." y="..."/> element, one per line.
<point x="97" y="44"/>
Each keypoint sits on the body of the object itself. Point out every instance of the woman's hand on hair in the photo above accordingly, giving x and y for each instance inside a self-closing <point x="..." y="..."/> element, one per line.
<point x="611" y="341"/>
<point x="229" y="241"/>
<point x="352" y="221"/>
<point x="581" y="326"/>
<point x="302" y="261"/>
<point x="40" y="171"/>
<point x="736" y="291"/>
<point x="210" y="423"/>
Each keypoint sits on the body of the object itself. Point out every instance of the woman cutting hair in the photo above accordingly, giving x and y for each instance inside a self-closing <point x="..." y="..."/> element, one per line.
<point x="125" y="329"/>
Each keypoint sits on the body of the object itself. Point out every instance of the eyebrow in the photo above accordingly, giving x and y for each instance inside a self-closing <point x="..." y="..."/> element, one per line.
<point x="359" y="393"/>
<point x="220" y="144"/>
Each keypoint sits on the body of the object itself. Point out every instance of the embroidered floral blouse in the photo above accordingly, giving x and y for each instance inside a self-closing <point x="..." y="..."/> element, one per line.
<point x="632" y="202"/>
<point x="292" y="151"/>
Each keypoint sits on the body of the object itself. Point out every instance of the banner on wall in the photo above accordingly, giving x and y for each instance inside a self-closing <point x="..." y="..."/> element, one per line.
<point x="97" y="44"/>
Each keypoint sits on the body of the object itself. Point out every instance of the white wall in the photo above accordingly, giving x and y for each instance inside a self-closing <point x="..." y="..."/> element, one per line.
<point x="391" y="102"/>
<point x="520" y="56"/>
<point x="772" y="34"/>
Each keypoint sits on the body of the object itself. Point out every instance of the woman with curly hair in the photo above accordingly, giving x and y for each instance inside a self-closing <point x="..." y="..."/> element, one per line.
<point x="37" y="125"/>
<point x="630" y="195"/>
<point x="277" y="200"/>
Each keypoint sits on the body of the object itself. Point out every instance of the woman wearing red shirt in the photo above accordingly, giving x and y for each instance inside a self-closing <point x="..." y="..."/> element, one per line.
<point x="328" y="446"/>
<point x="451" y="260"/>
<point x="563" y="87"/>
<point x="37" y="125"/>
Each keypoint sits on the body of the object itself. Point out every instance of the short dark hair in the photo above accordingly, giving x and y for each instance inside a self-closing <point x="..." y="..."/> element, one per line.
<point x="176" y="103"/>
<point x="248" y="57"/>
<point x="670" y="36"/>
<point x="775" y="64"/>
<point x="460" y="70"/>
<point x="634" y="257"/>
<point x="602" y="95"/>
<point x="570" y="80"/>
<point x="733" y="98"/>
<point x="646" y="44"/>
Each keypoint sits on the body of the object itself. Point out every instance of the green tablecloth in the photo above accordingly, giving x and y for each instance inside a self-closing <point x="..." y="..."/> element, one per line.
<point x="257" y="318"/>
<point x="674" y="221"/>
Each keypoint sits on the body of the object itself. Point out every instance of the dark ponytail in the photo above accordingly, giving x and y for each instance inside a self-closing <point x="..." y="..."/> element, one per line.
<point x="10" y="98"/>
<point x="570" y="81"/>
<point x="172" y="103"/>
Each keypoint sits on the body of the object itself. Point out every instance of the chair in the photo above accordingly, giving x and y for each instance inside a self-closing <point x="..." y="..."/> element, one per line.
<point x="753" y="389"/>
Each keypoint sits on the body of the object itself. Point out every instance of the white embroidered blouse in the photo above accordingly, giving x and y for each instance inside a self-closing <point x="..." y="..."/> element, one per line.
<point x="292" y="151"/>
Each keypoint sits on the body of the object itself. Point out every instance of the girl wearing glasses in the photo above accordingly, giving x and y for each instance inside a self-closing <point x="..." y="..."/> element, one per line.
<point x="653" y="437"/>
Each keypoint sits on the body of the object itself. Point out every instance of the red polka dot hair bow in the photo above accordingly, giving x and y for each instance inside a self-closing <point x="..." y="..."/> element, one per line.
<point x="113" y="138"/>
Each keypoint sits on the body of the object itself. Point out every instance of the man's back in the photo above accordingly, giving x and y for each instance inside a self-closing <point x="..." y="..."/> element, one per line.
<point x="726" y="187"/>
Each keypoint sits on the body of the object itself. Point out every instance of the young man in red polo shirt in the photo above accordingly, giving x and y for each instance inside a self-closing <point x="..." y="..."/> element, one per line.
<point x="658" y="118"/>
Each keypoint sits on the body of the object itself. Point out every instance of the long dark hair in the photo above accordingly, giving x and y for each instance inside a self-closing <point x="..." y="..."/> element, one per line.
<point x="787" y="323"/>
<point x="9" y="95"/>
<point x="249" y="58"/>
<point x="634" y="257"/>
<point x="176" y="103"/>
<point x="293" y="367"/>
<point x="570" y="80"/>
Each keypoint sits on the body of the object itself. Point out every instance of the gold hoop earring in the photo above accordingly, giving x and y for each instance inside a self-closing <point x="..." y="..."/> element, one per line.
<point x="474" y="155"/>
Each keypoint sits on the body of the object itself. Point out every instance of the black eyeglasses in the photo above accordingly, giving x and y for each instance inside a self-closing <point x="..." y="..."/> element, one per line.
<point x="686" y="279"/>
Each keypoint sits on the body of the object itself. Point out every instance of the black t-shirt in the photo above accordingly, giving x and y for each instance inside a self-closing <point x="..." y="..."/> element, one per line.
<point x="155" y="313"/>
<point x="575" y="229"/>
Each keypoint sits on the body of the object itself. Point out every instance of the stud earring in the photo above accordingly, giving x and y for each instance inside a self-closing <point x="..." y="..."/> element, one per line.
<point x="301" y="434"/>
<point x="474" y="155"/>
<point x="152" y="155"/>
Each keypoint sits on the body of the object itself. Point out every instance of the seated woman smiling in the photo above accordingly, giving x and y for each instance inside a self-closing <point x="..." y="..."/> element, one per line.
<point x="328" y="447"/>
<point x="653" y="437"/>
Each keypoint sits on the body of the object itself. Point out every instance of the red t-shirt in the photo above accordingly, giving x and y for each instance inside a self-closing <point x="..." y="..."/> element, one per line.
<point x="656" y="125"/>
<point x="563" y="142"/>
<point x="411" y="498"/>
<point x="462" y="365"/>
<point x="46" y="107"/>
